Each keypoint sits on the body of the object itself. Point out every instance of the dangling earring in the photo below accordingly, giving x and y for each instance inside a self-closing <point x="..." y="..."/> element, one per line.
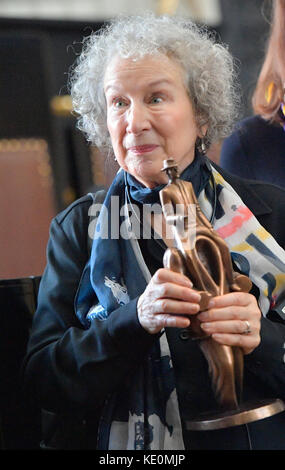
<point x="268" y="92"/>
<point x="201" y="145"/>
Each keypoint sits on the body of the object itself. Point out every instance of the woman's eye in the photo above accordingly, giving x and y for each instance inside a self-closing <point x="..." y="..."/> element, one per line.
<point x="119" y="103"/>
<point x="156" y="99"/>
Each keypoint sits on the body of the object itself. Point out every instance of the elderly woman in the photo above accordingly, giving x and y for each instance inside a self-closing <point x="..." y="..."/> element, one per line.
<point x="110" y="336"/>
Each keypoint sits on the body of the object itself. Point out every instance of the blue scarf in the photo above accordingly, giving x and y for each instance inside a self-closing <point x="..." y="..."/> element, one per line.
<point x="197" y="173"/>
<point x="115" y="274"/>
<point x="112" y="254"/>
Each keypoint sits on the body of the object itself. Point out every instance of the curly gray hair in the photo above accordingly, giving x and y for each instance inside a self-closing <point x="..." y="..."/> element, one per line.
<point x="209" y="71"/>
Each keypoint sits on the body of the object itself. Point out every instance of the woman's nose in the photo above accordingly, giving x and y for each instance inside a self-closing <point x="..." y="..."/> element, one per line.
<point x="137" y="119"/>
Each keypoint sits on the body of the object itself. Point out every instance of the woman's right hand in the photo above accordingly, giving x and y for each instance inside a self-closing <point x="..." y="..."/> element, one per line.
<point x="168" y="301"/>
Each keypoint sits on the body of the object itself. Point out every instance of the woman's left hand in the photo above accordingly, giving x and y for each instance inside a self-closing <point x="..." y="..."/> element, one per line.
<point x="233" y="319"/>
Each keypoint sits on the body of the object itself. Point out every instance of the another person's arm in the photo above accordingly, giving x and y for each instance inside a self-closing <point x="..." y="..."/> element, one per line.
<point x="234" y="157"/>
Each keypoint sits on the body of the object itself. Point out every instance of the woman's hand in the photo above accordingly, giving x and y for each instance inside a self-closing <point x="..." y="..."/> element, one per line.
<point x="229" y="318"/>
<point x="167" y="301"/>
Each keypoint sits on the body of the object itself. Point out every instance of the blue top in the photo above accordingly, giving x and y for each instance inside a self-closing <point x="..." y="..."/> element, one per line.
<point x="256" y="150"/>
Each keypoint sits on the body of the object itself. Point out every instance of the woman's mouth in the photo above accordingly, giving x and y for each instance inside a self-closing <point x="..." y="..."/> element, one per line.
<point x="141" y="149"/>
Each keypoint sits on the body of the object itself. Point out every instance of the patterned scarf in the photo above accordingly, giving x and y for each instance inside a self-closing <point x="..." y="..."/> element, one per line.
<point x="144" y="414"/>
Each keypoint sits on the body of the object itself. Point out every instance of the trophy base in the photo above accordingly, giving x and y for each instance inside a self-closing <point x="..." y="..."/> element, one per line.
<point x="246" y="413"/>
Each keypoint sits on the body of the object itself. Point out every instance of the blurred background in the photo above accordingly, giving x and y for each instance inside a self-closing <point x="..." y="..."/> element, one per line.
<point x="45" y="163"/>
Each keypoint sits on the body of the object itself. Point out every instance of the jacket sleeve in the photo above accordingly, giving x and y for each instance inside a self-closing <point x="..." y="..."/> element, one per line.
<point x="266" y="364"/>
<point x="67" y="365"/>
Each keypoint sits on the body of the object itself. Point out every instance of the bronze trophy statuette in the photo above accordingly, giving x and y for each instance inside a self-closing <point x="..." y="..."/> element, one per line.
<point x="201" y="254"/>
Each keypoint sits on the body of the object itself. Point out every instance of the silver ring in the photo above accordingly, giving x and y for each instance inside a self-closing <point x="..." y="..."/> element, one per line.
<point x="247" y="329"/>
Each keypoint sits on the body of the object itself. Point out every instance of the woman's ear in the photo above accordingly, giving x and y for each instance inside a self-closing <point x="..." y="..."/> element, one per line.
<point x="203" y="131"/>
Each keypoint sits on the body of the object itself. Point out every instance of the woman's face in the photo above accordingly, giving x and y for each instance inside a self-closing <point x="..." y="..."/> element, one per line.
<point x="150" y="117"/>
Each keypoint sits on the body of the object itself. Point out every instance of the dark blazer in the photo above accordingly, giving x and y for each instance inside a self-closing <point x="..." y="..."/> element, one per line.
<point x="256" y="150"/>
<point x="71" y="370"/>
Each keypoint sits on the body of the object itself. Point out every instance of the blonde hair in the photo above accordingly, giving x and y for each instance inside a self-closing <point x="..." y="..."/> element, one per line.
<point x="269" y="90"/>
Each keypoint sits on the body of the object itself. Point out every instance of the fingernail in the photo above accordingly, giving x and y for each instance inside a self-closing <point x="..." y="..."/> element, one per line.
<point x="218" y="336"/>
<point x="196" y="307"/>
<point x="203" y="316"/>
<point x="197" y="297"/>
<point x="188" y="282"/>
<point x="211" y="303"/>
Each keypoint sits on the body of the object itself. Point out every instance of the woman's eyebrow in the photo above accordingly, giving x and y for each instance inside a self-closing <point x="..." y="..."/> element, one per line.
<point x="163" y="81"/>
<point x="159" y="82"/>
